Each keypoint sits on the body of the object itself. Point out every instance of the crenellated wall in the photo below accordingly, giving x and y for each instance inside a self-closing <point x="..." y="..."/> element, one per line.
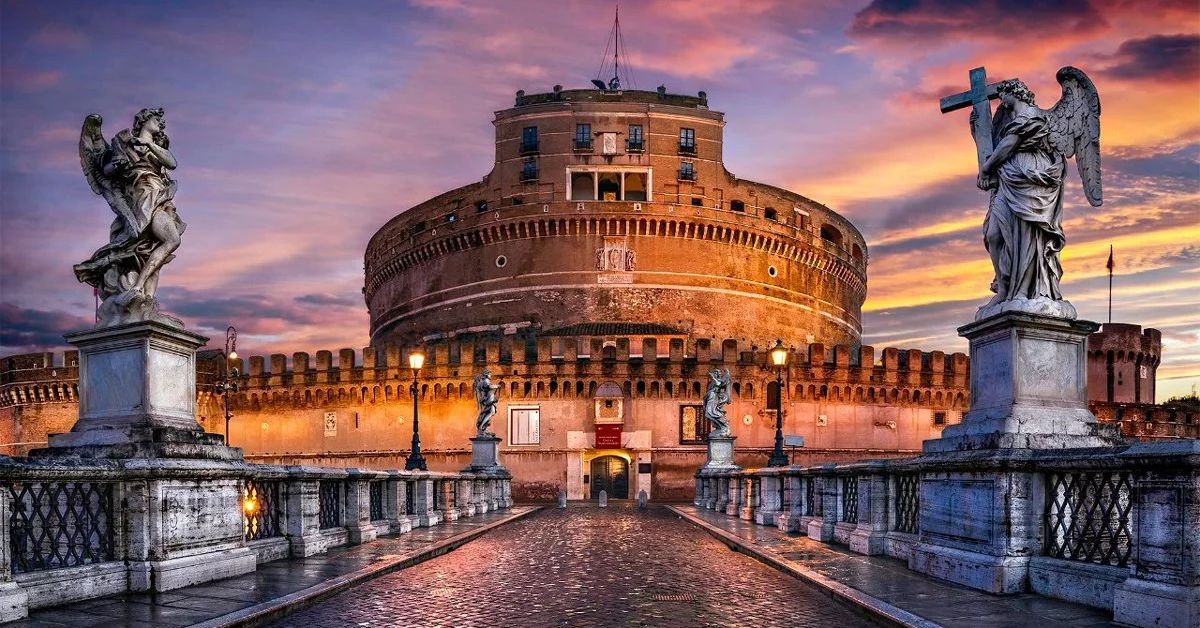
<point x="1122" y="363"/>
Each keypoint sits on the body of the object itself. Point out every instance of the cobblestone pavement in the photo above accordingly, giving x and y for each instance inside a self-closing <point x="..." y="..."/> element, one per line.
<point x="584" y="566"/>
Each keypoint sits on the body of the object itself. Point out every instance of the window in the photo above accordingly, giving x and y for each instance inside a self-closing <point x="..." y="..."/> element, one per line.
<point x="529" y="140"/>
<point x="772" y="396"/>
<point x="529" y="170"/>
<point x="583" y="186"/>
<point x="770" y="214"/>
<point x="939" y="418"/>
<point x="480" y="206"/>
<point x="830" y="234"/>
<point x="737" y="206"/>
<point x="687" y="171"/>
<point x="452" y="217"/>
<point x="635" y="186"/>
<point x="687" y="141"/>
<point x="524" y="426"/>
<point x="697" y="201"/>
<point x="693" y="427"/>
<point x="608" y="186"/>
<point x="583" y="137"/>
<point x="418" y="227"/>
<point x="517" y="200"/>
<point x="634" y="143"/>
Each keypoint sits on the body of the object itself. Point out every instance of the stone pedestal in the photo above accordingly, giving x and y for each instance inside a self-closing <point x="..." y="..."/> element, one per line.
<point x="1028" y="387"/>
<point x="485" y="455"/>
<point x="137" y="397"/>
<point x="720" y="453"/>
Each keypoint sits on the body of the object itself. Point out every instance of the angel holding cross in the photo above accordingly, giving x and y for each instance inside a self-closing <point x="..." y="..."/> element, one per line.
<point x="1024" y="172"/>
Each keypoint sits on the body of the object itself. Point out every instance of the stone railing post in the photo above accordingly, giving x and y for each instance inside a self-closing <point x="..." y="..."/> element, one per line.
<point x="698" y="499"/>
<point x="447" y="485"/>
<point x="358" y="507"/>
<point x="870" y="535"/>
<point x="792" y="508"/>
<point x="480" y="496"/>
<point x="14" y="601"/>
<point x="301" y="514"/>
<point x="506" y="483"/>
<point x="465" y="500"/>
<point x="721" y="498"/>
<point x="423" y="488"/>
<point x="733" y="507"/>
<point x="1164" y="586"/>
<point x="770" y="500"/>
<point x="820" y="528"/>
<point x="395" y="504"/>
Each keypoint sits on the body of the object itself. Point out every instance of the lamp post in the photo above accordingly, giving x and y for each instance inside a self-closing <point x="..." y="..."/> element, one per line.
<point x="229" y="375"/>
<point x="415" y="460"/>
<point x="779" y="357"/>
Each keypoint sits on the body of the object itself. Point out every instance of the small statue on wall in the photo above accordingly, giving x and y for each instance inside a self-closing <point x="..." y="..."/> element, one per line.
<point x="716" y="397"/>
<point x="486" y="398"/>
<point x="132" y="174"/>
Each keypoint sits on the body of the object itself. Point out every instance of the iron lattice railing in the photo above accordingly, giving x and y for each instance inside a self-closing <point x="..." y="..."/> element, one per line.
<point x="810" y="496"/>
<point x="329" y="500"/>
<point x="60" y="524"/>
<point x="376" y="501"/>
<point x="1087" y="516"/>
<point x="908" y="503"/>
<point x="263" y="505"/>
<point x="410" y="498"/>
<point x="850" y="499"/>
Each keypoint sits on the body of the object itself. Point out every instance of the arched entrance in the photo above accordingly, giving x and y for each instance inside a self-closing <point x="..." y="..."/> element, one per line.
<point x="611" y="474"/>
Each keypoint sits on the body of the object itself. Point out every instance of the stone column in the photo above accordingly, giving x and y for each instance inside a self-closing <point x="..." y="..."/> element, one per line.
<point x="870" y="535"/>
<point x="770" y="483"/>
<point x="303" y="525"/>
<point x="733" y="507"/>
<point x="507" y="489"/>
<point x="14" y="601"/>
<point x="482" y="503"/>
<point x="465" y="501"/>
<point x="720" y="498"/>
<point x="1164" y="587"/>
<point x="423" y="494"/>
<point x="791" y="510"/>
<point x="749" y="497"/>
<point x="394" y="496"/>
<point x="449" y="500"/>
<point x="358" y="507"/>
<point x="821" y="528"/>
<point x="698" y="497"/>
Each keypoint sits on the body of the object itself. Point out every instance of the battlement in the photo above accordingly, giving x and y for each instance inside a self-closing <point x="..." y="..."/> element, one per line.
<point x="1126" y="342"/>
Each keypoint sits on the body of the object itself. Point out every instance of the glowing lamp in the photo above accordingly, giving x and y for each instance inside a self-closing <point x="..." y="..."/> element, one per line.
<point x="232" y="356"/>
<point x="249" y="506"/>
<point x="779" y="354"/>
<point x="416" y="360"/>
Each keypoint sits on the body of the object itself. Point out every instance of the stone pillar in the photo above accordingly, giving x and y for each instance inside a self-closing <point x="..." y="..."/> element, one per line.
<point x="423" y="507"/>
<point x="821" y="528"/>
<point x="733" y="507"/>
<point x="792" y="508"/>
<point x="465" y="502"/>
<point x="506" y="485"/>
<point x="769" y="498"/>
<point x="485" y="455"/>
<point x="303" y="525"/>
<point x="358" y="507"/>
<point x="1164" y="587"/>
<point x="14" y="601"/>
<point x="720" y="453"/>
<point x="480" y="494"/>
<point x="721" y="498"/>
<point x="449" y="500"/>
<point x="698" y="499"/>
<point x="870" y="535"/>
<point x="395" y="505"/>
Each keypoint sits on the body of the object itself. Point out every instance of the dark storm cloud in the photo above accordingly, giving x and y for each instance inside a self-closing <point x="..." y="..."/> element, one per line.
<point x="1179" y="163"/>
<point x="1159" y="57"/>
<point x="327" y="300"/>
<point x="246" y="311"/>
<point x="959" y="19"/>
<point x="24" y="327"/>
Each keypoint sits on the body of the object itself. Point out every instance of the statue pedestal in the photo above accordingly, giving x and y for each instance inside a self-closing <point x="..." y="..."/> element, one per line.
<point x="485" y="455"/>
<point x="137" y="397"/>
<point x="720" y="453"/>
<point x="1028" y="387"/>
<point x="981" y="510"/>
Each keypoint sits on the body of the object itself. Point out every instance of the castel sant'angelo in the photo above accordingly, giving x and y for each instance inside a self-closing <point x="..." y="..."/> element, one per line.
<point x="599" y="271"/>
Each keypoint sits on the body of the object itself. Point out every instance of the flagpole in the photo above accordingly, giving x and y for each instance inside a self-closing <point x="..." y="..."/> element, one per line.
<point x="1110" y="279"/>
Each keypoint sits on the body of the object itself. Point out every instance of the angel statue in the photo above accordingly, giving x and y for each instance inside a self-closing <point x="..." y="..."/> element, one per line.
<point x="485" y="397"/>
<point x="1022" y="231"/>
<point x="132" y="174"/>
<point x="716" y="397"/>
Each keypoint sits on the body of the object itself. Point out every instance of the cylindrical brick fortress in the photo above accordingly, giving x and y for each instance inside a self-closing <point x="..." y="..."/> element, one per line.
<point x="615" y="207"/>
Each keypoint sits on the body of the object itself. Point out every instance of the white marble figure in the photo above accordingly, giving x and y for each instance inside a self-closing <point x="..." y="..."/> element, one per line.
<point x="485" y="397"/>
<point x="1023" y="228"/>
<point x="132" y="174"/>
<point x="716" y="397"/>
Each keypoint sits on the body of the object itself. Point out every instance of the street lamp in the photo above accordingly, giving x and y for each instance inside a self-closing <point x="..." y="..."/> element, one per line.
<point x="229" y="375"/>
<point x="415" y="460"/>
<point x="779" y="357"/>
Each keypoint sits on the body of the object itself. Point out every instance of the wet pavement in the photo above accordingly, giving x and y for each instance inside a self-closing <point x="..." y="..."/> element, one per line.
<point x="585" y="566"/>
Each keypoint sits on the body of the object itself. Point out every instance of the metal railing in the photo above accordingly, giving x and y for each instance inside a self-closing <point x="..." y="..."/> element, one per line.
<point x="1088" y="516"/>
<point x="60" y="524"/>
<point x="907" y="503"/>
<point x="329" y="504"/>
<point x="262" y="504"/>
<point x="375" y="497"/>
<point x="850" y="499"/>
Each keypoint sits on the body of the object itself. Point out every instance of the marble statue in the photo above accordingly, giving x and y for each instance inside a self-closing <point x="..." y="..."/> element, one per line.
<point x="1025" y="173"/>
<point x="132" y="173"/>
<point x="716" y="397"/>
<point x="485" y="397"/>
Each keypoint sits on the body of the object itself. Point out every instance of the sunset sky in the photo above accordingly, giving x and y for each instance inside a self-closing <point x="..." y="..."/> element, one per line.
<point x="301" y="127"/>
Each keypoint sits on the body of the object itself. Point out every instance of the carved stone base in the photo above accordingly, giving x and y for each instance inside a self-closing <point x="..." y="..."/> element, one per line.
<point x="720" y="453"/>
<point x="485" y="455"/>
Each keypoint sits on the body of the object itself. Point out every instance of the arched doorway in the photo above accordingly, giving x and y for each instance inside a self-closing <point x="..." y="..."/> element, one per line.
<point x="611" y="474"/>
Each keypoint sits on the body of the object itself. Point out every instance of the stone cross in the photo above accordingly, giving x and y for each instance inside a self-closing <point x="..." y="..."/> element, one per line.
<point x="977" y="97"/>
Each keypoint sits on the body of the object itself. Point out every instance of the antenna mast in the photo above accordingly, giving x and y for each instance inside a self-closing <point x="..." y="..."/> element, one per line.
<point x="616" y="43"/>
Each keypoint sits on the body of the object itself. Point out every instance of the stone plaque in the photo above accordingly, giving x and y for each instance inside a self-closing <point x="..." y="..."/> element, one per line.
<point x="991" y="375"/>
<point x="170" y="383"/>
<point x="113" y="382"/>
<point x="200" y="514"/>
<point x="331" y="424"/>
<point x="958" y="509"/>
<point x="1048" y="369"/>
<point x="608" y="143"/>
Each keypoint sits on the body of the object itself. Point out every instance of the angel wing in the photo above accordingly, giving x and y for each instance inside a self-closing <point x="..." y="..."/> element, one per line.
<point x="93" y="153"/>
<point x="1075" y="128"/>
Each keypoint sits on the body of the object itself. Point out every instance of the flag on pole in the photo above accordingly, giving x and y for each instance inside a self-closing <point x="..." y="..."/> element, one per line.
<point x="1110" y="259"/>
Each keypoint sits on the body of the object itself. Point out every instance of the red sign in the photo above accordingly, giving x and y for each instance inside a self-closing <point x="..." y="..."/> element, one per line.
<point x="608" y="437"/>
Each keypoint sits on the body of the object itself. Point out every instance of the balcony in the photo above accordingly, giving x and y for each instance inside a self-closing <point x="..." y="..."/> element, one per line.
<point x="687" y="149"/>
<point x="687" y="175"/>
<point x="583" y="144"/>
<point x="634" y="146"/>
